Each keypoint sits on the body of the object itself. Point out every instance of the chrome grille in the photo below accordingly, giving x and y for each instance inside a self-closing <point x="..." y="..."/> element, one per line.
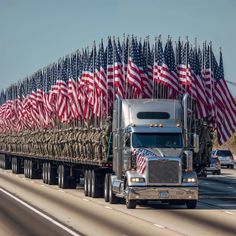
<point x="163" y="171"/>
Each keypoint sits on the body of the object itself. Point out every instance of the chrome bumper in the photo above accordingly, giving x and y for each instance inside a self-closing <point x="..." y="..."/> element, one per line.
<point x="162" y="193"/>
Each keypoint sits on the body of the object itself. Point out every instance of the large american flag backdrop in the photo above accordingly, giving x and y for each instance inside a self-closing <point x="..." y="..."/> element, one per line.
<point x="81" y="87"/>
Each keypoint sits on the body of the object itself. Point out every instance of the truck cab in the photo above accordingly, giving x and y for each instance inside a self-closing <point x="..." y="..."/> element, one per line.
<point x="150" y="159"/>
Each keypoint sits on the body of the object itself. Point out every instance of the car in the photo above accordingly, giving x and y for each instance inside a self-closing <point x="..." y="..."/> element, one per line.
<point x="214" y="167"/>
<point x="225" y="156"/>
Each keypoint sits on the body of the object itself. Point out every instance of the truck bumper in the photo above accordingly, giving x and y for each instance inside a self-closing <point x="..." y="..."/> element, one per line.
<point x="162" y="193"/>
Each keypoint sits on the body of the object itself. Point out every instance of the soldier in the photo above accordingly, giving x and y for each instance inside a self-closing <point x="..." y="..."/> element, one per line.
<point x="75" y="142"/>
<point x="107" y="129"/>
<point x="84" y="142"/>
<point x="98" y="144"/>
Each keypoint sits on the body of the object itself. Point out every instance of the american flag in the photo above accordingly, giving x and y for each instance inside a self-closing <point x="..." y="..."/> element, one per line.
<point x="207" y="75"/>
<point x="142" y="156"/>
<point x="225" y="106"/>
<point x="118" y="73"/>
<point x="63" y="109"/>
<point x="134" y="75"/>
<point x="142" y="64"/>
<point x="110" y="74"/>
<point x="197" y="85"/>
<point x="168" y="72"/>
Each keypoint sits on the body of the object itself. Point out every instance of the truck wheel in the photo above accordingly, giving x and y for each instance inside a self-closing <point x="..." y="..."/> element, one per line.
<point x="64" y="176"/>
<point x="89" y="182"/>
<point x="106" y="187"/>
<point x="86" y="183"/>
<point x="30" y="169"/>
<point x="218" y="172"/>
<point x="94" y="184"/>
<point x="51" y="174"/>
<point x="43" y="172"/>
<point x="112" y="197"/>
<point x="191" y="204"/>
<point x="25" y="168"/>
<point x="232" y="167"/>
<point x="130" y="204"/>
<point x="59" y="176"/>
<point x="13" y="165"/>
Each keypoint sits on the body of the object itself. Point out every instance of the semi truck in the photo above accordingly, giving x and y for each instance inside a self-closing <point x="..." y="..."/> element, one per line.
<point x="156" y="149"/>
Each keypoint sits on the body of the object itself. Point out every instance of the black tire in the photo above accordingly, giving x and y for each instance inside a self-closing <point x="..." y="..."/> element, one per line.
<point x="94" y="185"/>
<point x="30" y="169"/>
<point x="86" y="183"/>
<point x="232" y="166"/>
<point x="106" y="187"/>
<point x="130" y="204"/>
<point x="26" y="168"/>
<point x="112" y="197"/>
<point x="51" y="174"/>
<point x="218" y="172"/>
<point x="191" y="204"/>
<point x="64" y="177"/>
<point x="43" y="172"/>
<point x="89" y="183"/>
<point x="59" y="176"/>
<point x="13" y="168"/>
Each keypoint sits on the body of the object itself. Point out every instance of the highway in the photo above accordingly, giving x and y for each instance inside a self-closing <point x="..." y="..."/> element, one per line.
<point x="68" y="212"/>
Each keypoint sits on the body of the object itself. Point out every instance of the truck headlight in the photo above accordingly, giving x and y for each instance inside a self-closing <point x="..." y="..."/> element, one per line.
<point x="189" y="180"/>
<point x="137" y="179"/>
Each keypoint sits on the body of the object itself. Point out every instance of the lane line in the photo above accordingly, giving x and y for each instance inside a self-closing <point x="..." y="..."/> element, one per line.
<point x="160" y="226"/>
<point x="228" y="212"/>
<point x="85" y="199"/>
<point x="40" y="213"/>
<point x="107" y="207"/>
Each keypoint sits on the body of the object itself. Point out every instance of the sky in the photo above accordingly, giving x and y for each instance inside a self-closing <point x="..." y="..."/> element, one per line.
<point x="35" y="33"/>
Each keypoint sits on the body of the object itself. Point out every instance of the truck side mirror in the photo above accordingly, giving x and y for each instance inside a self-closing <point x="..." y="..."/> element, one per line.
<point x="196" y="143"/>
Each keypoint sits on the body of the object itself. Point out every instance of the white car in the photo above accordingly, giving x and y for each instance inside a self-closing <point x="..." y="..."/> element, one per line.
<point x="225" y="156"/>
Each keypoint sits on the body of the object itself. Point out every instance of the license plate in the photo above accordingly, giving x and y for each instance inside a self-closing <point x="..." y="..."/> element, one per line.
<point x="163" y="194"/>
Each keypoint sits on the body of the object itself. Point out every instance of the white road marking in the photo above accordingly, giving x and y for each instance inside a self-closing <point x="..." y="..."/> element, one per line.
<point x="40" y="213"/>
<point x="107" y="207"/>
<point x="160" y="226"/>
<point x="228" y="212"/>
<point x="42" y="185"/>
<point x="85" y="199"/>
<point x="61" y="190"/>
<point x="229" y="187"/>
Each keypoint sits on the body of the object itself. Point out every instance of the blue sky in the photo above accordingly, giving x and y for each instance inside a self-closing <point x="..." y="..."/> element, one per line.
<point x="35" y="33"/>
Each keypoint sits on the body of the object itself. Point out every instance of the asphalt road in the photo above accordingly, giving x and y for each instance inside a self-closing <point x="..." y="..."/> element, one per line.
<point x="215" y="213"/>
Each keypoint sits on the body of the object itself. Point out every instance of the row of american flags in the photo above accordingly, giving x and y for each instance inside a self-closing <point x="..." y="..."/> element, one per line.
<point x="82" y="86"/>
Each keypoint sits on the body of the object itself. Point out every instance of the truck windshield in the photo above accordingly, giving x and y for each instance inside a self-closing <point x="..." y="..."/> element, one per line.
<point x="157" y="140"/>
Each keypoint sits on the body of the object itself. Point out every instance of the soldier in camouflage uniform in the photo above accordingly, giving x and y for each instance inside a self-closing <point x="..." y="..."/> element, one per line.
<point x="84" y="142"/>
<point x="107" y="129"/>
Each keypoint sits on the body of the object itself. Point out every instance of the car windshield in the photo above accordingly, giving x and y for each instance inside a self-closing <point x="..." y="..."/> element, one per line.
<point x="157" y="140"/>
<point x="224" y="153"/>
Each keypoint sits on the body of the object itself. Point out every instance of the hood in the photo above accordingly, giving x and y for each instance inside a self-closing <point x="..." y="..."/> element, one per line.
<point x="168" y="152"/>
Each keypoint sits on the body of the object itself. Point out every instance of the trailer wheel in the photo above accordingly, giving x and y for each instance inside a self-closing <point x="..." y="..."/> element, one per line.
<point x="86" y="183"/>
<point x="106" y="187"/>
<point x="191" y="204"/>
<point x="43" y="172"/>
<point x="31" y="169"/>
<point x="89" y="183"/>
<point x="13" y="165"/>
<point x="130" y="204"/>
<point x="59" y="176"/>
<point x="63" y="175"/>
<point x="26" y="168"/>
<point x="94" y="185"/>
<point x="112" y="197"/>
<point x="51" y="174"/>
